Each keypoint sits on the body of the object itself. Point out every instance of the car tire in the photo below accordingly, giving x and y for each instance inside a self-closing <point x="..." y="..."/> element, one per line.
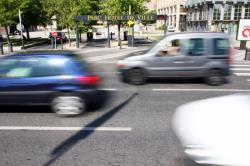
<point x="136" y="76"/>
<point x="215" y="77"/>
<point x="68" y="104"/>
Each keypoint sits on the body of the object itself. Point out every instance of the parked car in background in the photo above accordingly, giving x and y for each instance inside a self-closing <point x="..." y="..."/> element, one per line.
<point x="62" y="80"/>
<point x="60" y="36"/>
<point x="215" y="131"/>
<point x="181" y="55"/>
<point x="171" y="29"/>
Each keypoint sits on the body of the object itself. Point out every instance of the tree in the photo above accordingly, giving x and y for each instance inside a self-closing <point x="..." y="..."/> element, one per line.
<point x="66" y="10"/>
<point x="32" y="14"/>
<point x="8" y="15"/>
<point x="120" y="7"/>
<point x="151" y="12"/>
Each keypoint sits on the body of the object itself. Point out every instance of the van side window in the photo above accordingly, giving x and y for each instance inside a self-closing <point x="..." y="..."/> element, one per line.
<point x="194" y="47"/>
<point x="171" y="48"/>
<point x="220" y="46"/>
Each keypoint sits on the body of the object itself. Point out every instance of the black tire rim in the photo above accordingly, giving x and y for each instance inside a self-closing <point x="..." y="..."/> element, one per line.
<point x="136" y="76"/>
<point x="215" y="77"/>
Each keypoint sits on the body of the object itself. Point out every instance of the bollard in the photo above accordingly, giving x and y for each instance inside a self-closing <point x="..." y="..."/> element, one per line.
<point x="1" y="44"/>
<point x="1" y="48"/>
<point x="52" y="43"/>
<point x="247" y="54"/>
<point x="61" y="44"/>
<point x="111" y="36"/>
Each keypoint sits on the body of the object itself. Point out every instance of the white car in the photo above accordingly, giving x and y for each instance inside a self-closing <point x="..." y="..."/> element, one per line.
<point x="216" y="131"/>
<point x="171" y="29"/>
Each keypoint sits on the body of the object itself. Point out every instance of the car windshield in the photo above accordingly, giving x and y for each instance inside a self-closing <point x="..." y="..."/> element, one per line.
<point x="159" y="45"/>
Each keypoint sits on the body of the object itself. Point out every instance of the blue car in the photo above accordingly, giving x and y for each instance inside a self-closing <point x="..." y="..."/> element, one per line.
<point x="60" y="79"/>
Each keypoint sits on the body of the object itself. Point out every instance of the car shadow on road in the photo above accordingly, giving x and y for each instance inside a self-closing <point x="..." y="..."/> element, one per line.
<point x="66" y="145"/>
<point x="102" y="99"/>
<point x="176" y="81"/>
<point x="25" y="109"/>
<point x="182" y="81"/>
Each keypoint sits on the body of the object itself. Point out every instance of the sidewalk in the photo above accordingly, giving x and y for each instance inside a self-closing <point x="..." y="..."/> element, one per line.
<point x="238" y="55"/>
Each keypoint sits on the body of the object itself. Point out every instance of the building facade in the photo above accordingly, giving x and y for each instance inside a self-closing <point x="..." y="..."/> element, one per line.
<point x="216" y="15"/>
<point x="175" y="11"/>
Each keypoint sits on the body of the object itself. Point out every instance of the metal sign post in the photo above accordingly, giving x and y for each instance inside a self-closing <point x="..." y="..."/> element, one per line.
<point x="1" y="45"/>
<point x="108" y="35"/>
<point x="21" y="29"/>
<point x="55" y="42"/>
<point x="54" y="35"/>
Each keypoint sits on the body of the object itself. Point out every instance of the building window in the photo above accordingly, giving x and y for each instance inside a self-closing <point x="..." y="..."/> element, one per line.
<point x="182" y="10"/>
<point x="227" y="12"/>
<point x="200" y="15"/>
<point x="204" y="12"/>
<point x="237" y="12"/>
<point x="247" y="12"/>
<point x="216" y="13"/>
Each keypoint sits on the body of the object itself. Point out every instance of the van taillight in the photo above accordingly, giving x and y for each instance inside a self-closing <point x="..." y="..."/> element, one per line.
<point x="88" y="80"/>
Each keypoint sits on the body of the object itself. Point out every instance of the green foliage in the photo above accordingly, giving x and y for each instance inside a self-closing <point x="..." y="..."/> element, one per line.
<point x="66" y="10"/>
<point x="8" y="12"/>
<point x="32" y="13"/>
<point x="122" y="6"/>
<point x="151" y="12"/>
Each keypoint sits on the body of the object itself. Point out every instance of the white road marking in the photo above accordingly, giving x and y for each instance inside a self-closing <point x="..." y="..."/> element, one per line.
<point x="242" y="74"/>
<point x="241" y="69"/>
<point x="107" y="62"/>
<point x="248" y="80"/>
<point x="107" y="72"/>
<point x="108" y="89"/>
<point x="206" y="90"/>
<point x="104" y="57"/>
<point x="241" y="62"/>
<point x="48" y="128"/>
<point x="240" y="65"/>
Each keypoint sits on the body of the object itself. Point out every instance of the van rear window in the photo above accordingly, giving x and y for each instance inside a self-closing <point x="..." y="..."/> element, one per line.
<point x="220" y="46"/>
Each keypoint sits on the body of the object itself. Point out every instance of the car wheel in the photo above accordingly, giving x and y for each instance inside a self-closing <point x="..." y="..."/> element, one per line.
<point x="136" y="76"/>
<point x="68" y="105"/>
<point x="215" y="77"/>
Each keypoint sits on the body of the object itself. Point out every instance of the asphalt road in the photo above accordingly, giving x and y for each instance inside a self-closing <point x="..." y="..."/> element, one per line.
<point x="130" y="125"/>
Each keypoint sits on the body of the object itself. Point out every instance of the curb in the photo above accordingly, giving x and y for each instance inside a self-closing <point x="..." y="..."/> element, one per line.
<point x="34" y="44"/>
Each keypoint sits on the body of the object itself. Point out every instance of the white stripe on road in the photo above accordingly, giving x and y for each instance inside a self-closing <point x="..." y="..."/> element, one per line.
<point x="242" y="74"/>
<point x="107" y="62"/>
<point x="240" y="65"/>
<point x="206" y="90"/>
<point x="45" y="128"/>
<point x="104" y="57"/>
<point x="108" y="89"/>
<point x="107" y="72"/>
<point x="241" y="69"/>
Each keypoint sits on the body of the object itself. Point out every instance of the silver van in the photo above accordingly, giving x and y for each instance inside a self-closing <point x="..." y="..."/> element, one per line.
<point x="205" y="55"/>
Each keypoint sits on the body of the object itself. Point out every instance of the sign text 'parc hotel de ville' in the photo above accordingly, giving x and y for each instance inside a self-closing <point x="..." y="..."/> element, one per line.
<point x="87" y="18"/>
